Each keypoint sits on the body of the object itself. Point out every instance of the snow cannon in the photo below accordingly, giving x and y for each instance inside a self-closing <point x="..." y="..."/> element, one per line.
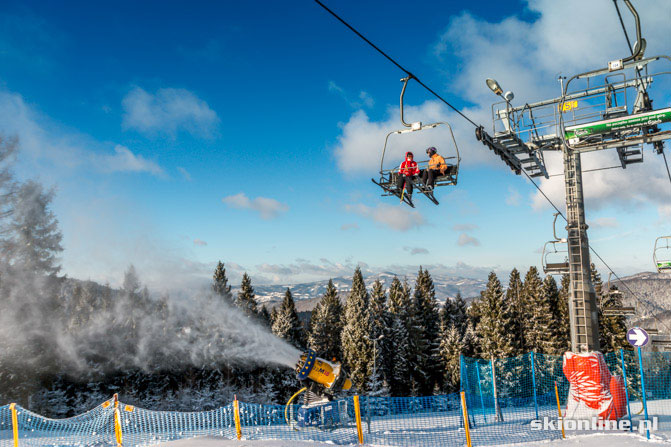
<point x="330" y="375"/>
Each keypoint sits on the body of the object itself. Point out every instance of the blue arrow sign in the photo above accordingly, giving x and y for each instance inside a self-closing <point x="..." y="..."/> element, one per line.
<point x="637" y="337"/>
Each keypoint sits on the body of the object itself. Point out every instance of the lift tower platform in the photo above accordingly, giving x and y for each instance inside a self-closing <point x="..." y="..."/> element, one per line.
<point x="607" y="108"/>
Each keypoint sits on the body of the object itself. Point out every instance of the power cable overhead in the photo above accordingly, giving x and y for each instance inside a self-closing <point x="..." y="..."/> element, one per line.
<point x="408" y="72"/>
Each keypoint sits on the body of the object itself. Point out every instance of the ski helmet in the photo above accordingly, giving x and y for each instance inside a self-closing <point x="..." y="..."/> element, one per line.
<point x="431" y="150"/>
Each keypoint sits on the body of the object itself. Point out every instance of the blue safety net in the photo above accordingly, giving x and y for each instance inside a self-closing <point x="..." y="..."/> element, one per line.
<point x="506" y="399"/>
<point x="94" y="428"/>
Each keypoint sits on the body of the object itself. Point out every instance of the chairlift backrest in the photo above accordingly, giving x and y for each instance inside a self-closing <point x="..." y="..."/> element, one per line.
<point x="661" y="254"/>
<point x="447" y="149"/>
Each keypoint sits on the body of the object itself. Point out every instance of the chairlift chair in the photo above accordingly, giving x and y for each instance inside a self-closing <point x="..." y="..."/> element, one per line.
<point x="389" y="177"/>
<point x="555" y="259"/>
<point x="555" y="254"/>
<point x="662" y="254"/>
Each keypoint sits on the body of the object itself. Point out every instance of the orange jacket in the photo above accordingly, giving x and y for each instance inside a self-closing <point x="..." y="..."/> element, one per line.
<point x="437" y="163"/>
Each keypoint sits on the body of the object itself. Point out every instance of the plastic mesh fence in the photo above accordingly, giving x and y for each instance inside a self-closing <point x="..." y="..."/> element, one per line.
<point x="94" y="428"/>
<point x="5" y="425"/>
<point x="503" y="397"/>
<point x="145" y="427"/>
<point x="413" y="421"/>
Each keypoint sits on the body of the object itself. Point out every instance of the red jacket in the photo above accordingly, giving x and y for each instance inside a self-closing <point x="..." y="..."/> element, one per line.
<point x="408" y="168"/>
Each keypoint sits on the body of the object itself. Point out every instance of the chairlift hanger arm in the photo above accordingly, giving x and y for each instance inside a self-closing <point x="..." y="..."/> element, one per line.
<point x="639" y="40"/>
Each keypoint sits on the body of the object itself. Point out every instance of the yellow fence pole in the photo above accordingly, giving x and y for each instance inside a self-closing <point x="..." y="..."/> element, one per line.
<point x="465" y="413"/>
<point x="357" y="415"/>
<point x="117" y="422"/>
<point x="236" y="409"/>
<point x="561" y="420"/>
<point x="15" y="424"/>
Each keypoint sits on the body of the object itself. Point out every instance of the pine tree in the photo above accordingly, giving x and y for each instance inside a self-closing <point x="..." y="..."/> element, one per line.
<point x="8" y="188"/>
<point x="35" y="240"/>
<point x="495" y="325"/>
<point x="326" y="324"/>
<point x="534" y="310"/>
<point x="357" y="349"/>
<point x="286" y="324"/>
<point x="246" y="299"/>
<point x="517" y="308"/>
<point x="596" y="281"/>
<point x="551" y="340"/>
<point x="425" y="336"/>
<point x="379" y="332"/>
<point x="450" y="349"/>
<point x="562" y="316"/>
<point x="220" y="284"/>
<point x="612" y="328"/>
<point x="397" y="359"/>
<point x="265" y="316"/>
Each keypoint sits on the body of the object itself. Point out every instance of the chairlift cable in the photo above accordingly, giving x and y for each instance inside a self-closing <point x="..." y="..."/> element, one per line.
<point x="476" y="125"/>
<point x="666" y="163"/>
<point x="396" y="63"/>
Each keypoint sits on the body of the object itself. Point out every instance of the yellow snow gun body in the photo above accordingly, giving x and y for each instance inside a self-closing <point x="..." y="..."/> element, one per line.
<point x="330" y="375"/>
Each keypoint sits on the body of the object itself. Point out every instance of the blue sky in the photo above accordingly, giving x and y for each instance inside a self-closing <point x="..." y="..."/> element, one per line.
<point x="178" y="134"/>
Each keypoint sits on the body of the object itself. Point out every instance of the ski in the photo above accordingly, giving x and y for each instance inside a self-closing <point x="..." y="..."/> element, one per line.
<point x="406" y="199"/>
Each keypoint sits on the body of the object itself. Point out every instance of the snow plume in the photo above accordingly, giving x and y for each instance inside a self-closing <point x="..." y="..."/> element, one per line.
<point x="88" y="329"/>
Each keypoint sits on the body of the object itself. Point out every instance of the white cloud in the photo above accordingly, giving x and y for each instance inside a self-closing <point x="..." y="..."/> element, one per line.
<point x="605" y="222"/>
<point x="45" y="142"/>
<point x="394" y="217"/>
<point x="185" y="173"/>
<point x="364" y="98"/>
<point x="199" y="243"/>
<point x="514" y="197"/>
<point x="416" y="250"/>
<point x="465" y="239"/>
<point x="168" y="111"/>
<point x="267" y="208"/>
<point x="125" y="161"/>
<point x="464" y="227"/>
<point x="349" y="226"/>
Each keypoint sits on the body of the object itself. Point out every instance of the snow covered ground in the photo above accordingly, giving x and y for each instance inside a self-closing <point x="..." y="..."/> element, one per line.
<point x="597" y="440"/>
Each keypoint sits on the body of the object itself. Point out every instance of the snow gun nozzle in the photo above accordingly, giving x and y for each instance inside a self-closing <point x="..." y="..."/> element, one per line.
<point x="330" y="375"/>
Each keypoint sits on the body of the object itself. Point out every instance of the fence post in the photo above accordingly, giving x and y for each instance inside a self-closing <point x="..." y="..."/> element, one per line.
<point x="15" y="424"/>
<point x="645" y="404"/>
<point x="482" y="400"/>
<point x="357" y="415"/>
<point x="533" y="378"/>
<point x="117" y="422"/>
<point x="499" y="415"/>
<point x="464" y="411"/>
<point x="236" y="412"/>
<point x="626" y="389"/>
<point x="561" y="419"/>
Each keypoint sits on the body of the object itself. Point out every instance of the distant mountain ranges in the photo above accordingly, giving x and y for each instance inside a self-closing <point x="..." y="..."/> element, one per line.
<point x="649" y="292"/>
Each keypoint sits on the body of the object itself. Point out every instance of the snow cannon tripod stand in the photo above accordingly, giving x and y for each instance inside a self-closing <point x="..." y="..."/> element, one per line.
<point x="323" y="381"/>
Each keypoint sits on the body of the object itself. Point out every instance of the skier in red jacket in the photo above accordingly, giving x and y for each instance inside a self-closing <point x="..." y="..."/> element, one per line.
<point x="406" y="172"/>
